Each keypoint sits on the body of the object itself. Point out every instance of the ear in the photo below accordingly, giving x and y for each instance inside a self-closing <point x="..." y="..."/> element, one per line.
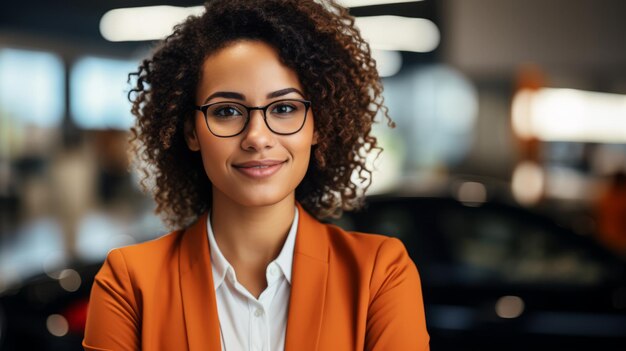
<point x="190" y="135"/>
<point x="315" y="136"/>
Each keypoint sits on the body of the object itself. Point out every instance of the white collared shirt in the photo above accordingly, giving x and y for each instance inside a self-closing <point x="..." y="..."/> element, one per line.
<point x="247" y="323"/>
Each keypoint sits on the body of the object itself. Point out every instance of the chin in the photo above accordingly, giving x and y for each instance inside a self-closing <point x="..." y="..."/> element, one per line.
<point x="260" y="197"/>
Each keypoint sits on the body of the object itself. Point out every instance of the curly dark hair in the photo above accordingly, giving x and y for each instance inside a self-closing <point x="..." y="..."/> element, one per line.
<point x="333" y="62"/>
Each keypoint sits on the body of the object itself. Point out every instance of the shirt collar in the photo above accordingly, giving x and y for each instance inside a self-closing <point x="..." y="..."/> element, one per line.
<point x="285" y="257"/>
<point x="221" y="267"/>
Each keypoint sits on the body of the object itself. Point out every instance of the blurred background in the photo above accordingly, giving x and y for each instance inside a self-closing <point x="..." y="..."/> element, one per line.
<point x="505" y="176"/>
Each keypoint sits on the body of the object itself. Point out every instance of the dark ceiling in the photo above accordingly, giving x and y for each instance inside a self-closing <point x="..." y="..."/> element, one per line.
<point x="73" y="25"/>
<point x="69" y="18"/>
<point x="574" y="39"/>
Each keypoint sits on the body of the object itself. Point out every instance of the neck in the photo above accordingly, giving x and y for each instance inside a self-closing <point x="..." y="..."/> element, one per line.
<point x="250" y="235"/>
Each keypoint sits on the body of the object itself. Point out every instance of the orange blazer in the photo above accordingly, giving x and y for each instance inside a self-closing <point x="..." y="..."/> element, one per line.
<point x="350" y="291"/>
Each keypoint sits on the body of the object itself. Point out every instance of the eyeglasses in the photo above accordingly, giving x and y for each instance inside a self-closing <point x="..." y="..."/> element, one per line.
<point x="227" y="119"/>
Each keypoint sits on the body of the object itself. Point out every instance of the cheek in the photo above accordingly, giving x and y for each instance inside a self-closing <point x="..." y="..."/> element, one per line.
<point x="215" y="153"/>
<point x="302" y="155"/>
<point x="302" y="152"/>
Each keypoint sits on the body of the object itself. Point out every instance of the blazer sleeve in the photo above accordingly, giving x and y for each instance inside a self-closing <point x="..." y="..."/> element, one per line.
<point x="113" y="322"/>
<point x="395" y="318"/>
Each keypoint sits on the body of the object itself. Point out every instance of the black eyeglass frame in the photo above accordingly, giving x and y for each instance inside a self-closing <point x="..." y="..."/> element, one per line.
<point x="263" y="109"/>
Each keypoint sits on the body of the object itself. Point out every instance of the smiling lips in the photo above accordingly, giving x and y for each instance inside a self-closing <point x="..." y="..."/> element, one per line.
<point x="259" y="169"/>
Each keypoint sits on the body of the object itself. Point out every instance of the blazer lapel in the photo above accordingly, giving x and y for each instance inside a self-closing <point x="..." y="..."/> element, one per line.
<point x="198" y="293"/>
<point x="309" y="279"/>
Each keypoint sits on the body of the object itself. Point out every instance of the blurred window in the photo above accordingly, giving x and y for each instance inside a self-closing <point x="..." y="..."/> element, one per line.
<point x="32" y="87"/>
<point x="435" y="108"/>
<point x="98" y="91"/>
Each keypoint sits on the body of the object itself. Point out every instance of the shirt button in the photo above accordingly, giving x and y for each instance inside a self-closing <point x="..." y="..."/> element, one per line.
<point x="258" y="312"/>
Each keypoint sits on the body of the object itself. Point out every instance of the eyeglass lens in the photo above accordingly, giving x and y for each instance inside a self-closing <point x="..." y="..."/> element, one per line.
<point x="230" y="118"/>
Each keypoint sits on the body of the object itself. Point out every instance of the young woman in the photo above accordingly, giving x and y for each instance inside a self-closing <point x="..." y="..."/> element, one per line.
<point x="251" y="120"/>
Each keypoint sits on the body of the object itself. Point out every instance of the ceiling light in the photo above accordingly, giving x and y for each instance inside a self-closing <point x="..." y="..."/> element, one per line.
<point x="144" y="23"/>
<point x="388" y="63"/>
<point x="399" y="33"/>
<point x="156" y="22"/>
<point x="552" y="114"/>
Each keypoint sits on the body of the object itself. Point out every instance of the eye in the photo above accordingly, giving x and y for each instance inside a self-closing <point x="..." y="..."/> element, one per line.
<point x="224" y="111"/>
<point x="284" y="108"/>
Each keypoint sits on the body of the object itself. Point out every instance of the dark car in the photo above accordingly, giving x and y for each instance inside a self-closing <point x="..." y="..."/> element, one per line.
<point x="497" y="276"/>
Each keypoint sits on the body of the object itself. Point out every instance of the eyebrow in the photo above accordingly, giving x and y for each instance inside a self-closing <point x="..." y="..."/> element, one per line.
<point x="239" y="96"/>
<point x="284" y="92"/>
<point x="226" y="95"/>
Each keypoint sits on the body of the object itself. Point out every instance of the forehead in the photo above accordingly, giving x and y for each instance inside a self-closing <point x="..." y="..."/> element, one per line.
<point x="252" y="68"/>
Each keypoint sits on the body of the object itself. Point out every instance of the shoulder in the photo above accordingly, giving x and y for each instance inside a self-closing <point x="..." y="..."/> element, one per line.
<point x="154" y="247"/>
<point x="379" y="261"/>
<point x="364" y="243"/>
<point x="144" y="259"/>
<point x="373" y="253"/>
<point x="321" y="238"/>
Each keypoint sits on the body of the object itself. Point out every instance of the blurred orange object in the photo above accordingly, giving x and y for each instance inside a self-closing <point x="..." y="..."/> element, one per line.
<point x="612" y="214"/>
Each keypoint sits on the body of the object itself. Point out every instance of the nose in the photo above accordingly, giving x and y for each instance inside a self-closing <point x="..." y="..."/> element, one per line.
<point x="257" y="135"/>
